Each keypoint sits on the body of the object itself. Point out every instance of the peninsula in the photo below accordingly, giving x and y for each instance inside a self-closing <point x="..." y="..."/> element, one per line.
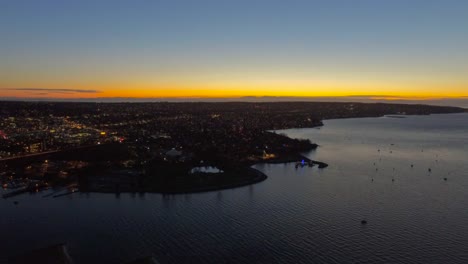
<point x="160" y="147"/>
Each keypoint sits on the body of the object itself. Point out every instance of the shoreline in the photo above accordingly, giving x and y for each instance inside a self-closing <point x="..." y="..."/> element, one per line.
<point x="295" y="159"/>
<point x="258" y="177"/>
<point x="379" y="116"/>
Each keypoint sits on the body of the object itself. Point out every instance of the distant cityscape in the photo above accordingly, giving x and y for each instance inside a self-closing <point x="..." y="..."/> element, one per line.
<point x="114" y="147"/>
<point x="30" y="128"/>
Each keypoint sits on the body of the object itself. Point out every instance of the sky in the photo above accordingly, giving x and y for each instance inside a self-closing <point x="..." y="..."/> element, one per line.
<point x="379" y="49"/>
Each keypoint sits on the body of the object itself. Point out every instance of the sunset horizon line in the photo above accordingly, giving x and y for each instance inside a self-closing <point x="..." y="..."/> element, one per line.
<point x="460" y="101"/>
<point x="76" y="93"/>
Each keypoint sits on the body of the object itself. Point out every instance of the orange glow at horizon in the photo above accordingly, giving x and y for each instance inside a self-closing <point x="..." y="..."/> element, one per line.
<point x="124" y="81"/>
<point x="231" y="92"/>
<point x="270" y="86"/>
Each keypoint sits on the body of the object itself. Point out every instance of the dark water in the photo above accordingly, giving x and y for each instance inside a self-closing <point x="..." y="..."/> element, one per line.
<point x="295" y="216"/>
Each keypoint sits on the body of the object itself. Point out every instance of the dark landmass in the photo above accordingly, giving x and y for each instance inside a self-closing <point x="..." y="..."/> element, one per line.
<point x="58" y="254"/>
<point x="55" y="254"/>
<point x="153" y="147"/>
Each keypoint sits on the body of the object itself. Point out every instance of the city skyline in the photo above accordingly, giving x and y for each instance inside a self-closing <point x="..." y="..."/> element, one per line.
<point x="374" y="50"/>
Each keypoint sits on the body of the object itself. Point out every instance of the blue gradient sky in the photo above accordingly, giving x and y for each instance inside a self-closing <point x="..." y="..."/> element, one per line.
<point x="115" y="48"/>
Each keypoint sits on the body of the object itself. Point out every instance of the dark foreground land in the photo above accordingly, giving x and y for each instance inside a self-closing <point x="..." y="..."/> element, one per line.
<point x="160" y="147"/>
